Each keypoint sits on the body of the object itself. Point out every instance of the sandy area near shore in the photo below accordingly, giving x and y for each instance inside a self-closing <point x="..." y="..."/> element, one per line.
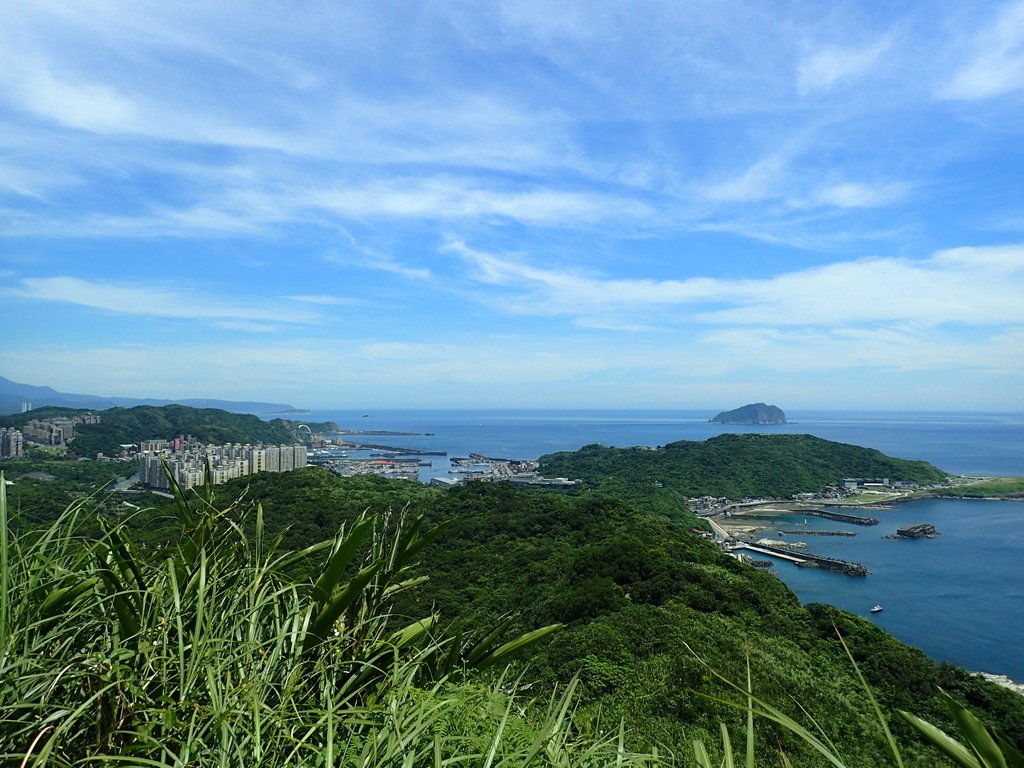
<point x="746" y="522"/>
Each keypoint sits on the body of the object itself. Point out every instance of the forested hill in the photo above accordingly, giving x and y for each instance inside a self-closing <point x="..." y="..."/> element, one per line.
<point x="121" y="426"/>
<point x="735" y="465"/>
<point x="634" y="591"/>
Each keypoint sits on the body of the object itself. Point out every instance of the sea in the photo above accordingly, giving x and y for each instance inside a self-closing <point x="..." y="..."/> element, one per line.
<point x="958" y="597"/>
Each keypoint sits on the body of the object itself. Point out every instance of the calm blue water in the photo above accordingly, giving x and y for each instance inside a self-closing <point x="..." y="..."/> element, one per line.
<point x="959" y="597"/>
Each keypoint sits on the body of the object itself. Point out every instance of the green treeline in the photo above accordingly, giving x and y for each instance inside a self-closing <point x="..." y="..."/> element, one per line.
<point x="144" y="422"/>
<point x="124" y="426"/>
<point x="734" y="465"/>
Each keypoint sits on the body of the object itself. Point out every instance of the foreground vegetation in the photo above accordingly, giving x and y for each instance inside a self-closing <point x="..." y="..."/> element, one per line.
<point x="211" y="651"/>
<point x="635" y="592"/>
<point x="208" y="654"/>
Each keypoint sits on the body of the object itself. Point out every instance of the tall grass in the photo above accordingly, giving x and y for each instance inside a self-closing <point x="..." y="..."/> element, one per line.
<point x="208" y="654"/>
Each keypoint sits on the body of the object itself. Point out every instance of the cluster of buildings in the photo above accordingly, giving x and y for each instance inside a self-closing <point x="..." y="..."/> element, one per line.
<point x="877" y="484"/>
<point x="187" y="461"/>
<point x="56" y="431"/>
<point x="12" y="443"/>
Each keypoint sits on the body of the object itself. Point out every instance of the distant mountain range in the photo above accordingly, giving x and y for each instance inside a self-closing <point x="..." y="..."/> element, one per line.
<point x="13" y="394"/>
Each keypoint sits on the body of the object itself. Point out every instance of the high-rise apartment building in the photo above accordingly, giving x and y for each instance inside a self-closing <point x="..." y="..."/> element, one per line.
<point x="225" y="462"/>
<point x="12" y="443"/>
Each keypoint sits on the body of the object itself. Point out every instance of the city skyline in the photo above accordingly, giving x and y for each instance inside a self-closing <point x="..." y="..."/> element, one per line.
<point x="524" y="205"/>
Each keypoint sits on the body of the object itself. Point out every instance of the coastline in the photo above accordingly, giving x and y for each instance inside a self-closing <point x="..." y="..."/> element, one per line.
<point x="735" y="523"/>
<point x="1002" y="680"/>
<point x="920" y="582"/>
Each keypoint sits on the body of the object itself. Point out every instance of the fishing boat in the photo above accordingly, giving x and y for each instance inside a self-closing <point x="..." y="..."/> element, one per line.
<point x="876" y="609"/>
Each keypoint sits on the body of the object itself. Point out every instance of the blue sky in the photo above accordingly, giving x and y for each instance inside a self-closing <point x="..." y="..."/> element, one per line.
<point x="521" y="204"/>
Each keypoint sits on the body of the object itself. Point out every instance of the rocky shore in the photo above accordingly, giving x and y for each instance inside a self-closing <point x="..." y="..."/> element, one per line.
<point x="1004" y="681"/>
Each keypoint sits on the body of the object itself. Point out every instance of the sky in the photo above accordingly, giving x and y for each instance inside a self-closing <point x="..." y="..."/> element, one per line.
<point x="571" y="204"/>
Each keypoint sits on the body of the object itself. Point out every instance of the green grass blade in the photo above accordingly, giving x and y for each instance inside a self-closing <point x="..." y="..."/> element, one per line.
<point x="340" y="560"/>
<point x="524" y="640"/>
<point x="750" y="717"/>
<point x="5" y="566"/>
<point x="727" y="758"/>
<point x="700" y="754"/>
<point x="874" y="703"/>
<point x="1014" y="757"/>
<point x="974" y="732"/>
<point x="953" y="749"/>
<point x="331" y="612"/>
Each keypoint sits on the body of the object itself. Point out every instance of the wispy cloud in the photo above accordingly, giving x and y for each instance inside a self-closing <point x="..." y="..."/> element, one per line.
<point x="973" y="286"/>
<point x="826" y="66"/>
<point x="322" y="299"/>
<point x="148" y="301"/>
<point x="995" y="59"/>
<point x="857" y="195"/>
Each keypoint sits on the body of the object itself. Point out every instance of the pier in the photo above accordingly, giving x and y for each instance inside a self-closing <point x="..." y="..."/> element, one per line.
<point x="839" y="516"/>
<point x="807" y="559"/>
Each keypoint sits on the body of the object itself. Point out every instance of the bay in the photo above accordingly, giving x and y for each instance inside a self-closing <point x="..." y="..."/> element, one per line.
<point x="959" y="597"/>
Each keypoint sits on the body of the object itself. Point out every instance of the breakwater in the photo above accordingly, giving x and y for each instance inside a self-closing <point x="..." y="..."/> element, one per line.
<point x="809" y="559"/>
<point x="839" y="517"/>
<point x="806" y="532"/>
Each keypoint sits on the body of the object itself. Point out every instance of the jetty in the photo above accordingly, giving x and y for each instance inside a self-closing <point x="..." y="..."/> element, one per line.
<point x="840" y="517"/>
<point x="393" y="450"/>
<point x="805" y="559"/>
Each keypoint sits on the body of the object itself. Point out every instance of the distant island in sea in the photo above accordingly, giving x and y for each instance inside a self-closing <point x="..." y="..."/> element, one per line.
<point x="753" y="413"/>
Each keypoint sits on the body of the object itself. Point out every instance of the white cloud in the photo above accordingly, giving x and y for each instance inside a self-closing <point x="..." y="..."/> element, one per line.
<point x="973" y="286"/>
<point x="892" y="349"/>
<point x="855" y="195"/>
<point x="320" y="298"/>
<point x="995" y="61"/>
<point x="450" y="198"/>
<point x="828" y="65"/>
<point x="761" y="180"/>
<point x="90" y="106"/>
<point x="148" y="301"/>
<point x="929" y="292"/>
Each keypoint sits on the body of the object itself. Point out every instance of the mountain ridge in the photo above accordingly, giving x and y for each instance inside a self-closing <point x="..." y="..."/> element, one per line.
<point x="13" y="394"/>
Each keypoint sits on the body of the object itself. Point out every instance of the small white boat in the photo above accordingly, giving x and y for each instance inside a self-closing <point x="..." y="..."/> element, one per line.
<point x="876" y="609"/>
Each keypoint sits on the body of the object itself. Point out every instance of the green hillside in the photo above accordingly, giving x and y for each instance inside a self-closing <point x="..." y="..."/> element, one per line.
<point x="121" y="426"/>
<point x="637" y="593"/>
<point x="734" y="466"/>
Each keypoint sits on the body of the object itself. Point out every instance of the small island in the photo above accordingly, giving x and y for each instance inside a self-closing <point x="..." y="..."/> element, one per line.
<point x="754" y="413"/>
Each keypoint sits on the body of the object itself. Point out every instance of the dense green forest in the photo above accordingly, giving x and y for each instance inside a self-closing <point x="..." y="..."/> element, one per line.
<point x="122" y="426"/>
<point x="42" y="485"/>
<point x="650" y="610"/>
<point x="733" y="465"/>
